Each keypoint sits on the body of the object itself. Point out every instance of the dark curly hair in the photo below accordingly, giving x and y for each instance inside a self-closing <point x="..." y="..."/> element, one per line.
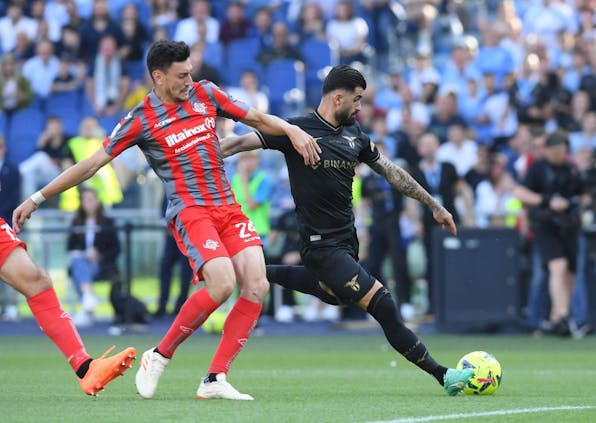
<point x="163" y="53"/>
<point x="343" y="77"/>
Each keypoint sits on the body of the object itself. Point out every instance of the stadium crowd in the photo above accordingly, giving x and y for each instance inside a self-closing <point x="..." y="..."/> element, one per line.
<point x="463" y="94"/>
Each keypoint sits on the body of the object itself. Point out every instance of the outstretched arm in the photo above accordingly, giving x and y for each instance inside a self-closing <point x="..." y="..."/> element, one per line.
<point x="403" y="182"/>
<point x="304" y="144"/>
<point x="72" y="176"/>
<point x="233" y="144"/>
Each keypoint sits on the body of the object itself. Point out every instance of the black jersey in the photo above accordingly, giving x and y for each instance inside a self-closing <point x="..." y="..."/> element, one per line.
<point x="323" y="192"/>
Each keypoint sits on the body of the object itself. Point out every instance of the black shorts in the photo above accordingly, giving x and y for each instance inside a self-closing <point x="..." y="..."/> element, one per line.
<point x="335" y="263"/>
<point x="553" y="242"/>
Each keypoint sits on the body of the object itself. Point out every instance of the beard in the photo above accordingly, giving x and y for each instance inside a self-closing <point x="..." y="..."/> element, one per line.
<point x="344" y="118"/>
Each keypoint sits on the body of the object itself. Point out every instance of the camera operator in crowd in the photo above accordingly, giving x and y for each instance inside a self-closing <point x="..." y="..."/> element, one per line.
<point x="551" y="190"/>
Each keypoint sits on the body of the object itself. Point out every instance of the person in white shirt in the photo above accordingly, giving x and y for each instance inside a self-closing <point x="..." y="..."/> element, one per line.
<point x="187" y="29"/>
<point x="349" y="32"/>
<point x="42" y="69"/>
<point x="13" y="23"/>
<point x="460" y="151"/>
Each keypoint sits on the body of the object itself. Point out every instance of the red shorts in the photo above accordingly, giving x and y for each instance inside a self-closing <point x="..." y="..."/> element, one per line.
<point x="205" y="232"/>
<point x="8" y="241"/>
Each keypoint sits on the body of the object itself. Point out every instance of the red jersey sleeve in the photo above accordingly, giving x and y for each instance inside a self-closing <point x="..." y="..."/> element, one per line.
<point x="226" y="105"/>
<point x="124" y="135"/>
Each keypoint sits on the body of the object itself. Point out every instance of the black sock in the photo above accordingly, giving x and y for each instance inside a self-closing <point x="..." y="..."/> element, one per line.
<point x="82" y="370"/>
<point x="157" y="351"/>
<point x="211" y="377"/>
<point x="383" y="309"/>
<point x="298" y="278"/>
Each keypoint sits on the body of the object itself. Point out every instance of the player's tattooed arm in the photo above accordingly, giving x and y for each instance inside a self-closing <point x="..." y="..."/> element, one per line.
<point x="403" y="182"/>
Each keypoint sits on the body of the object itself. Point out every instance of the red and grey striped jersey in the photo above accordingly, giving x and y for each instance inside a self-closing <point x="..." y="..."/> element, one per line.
<point x="181" y="145"/>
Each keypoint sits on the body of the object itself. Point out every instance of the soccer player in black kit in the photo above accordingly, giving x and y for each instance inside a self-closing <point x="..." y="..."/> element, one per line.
<point x="323" y="196"/>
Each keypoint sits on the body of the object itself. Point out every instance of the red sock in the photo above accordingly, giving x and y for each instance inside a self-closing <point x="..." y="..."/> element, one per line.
<point x="57" y="325"/>
<point x="192" y="315"/>
<point x="236" y="331"/>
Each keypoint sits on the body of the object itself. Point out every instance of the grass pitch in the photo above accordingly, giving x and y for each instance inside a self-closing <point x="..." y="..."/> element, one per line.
<point x="308" y="379"/>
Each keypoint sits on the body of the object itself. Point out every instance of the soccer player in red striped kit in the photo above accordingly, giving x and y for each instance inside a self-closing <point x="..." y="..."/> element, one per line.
<point x="174" y="126"/>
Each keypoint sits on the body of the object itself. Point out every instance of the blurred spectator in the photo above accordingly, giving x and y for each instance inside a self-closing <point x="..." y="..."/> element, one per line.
<point x="460" y="68"/>
<point x="495" y="204"/>
<point x="15" y="89"/>
<point x="382" y="22"/>
<point x="235" y="25"/>
<point x="69" y="45"/>
<point x="385" y="206"/>
<point x="187" y="29"/>
<point x="24" y="48"/>
<point x="586" y="137"/>
<point x="458" y="150"/>
<point x="93" y="249"/>
<point x="171" y="257"/>
<point x="445" y="115"/>
<point x="551" y="102"/>
<point x="75" y="18"/>
<point x="498" y="112"/>
<point x="135" y="36"/>
<point x="55" y="13"/>
<point x="424" y="79"/>
<point x="105" y="182"/>
<point x="440" y="179"/>
<point x="249" y="92"/>
<point x="349" y="32"/>
<point x="311" y="22"/>
<point x="10" y="189"/>
<point x="47" y="161"/>
<point x="252" y="189"/>
<point x="492" y="58"/>
<point x="578" y="68"/>
<point x="97" y="27"/>
<point x="14" y="23"/>
<point x="261" y="27"/>
<point x="480" y="170"/>
<point x="389" y="96"/>
<point x="551" y="191"/>
<point x="42" y="69"/>
<point x="379" y="134"/>
<point x="69" y="77"/>
<point x="281" y="47"/>
<point x="107" y="83"/>
<point x="163" y="13"/>
<point x="200" y="69"/>
<point x="545" y="19"/>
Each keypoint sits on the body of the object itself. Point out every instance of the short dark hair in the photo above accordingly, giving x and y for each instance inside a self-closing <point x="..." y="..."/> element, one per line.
<point x="343" y="77"/>
<point x="163" y="53"/>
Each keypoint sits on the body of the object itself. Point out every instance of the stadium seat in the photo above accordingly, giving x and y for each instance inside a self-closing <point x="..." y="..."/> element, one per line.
<point x="2" y="123"/>
<point x="22" y="130"/>
<point x="241" y="54"/>
<point x="108" y="123"/>
<point x="214" y="55"/>
<point x="318" y="55"/>
<point x="285" y="83"/>
<point x="67" y="106"/>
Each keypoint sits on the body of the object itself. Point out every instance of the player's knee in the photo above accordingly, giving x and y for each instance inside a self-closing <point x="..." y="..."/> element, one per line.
<point x="35" y="280"/>
<point x="255" y="290"/>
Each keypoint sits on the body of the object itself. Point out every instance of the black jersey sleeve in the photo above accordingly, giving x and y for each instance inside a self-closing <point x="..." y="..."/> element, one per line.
<point x="369" y="152"/>
<point x="275" y="142"/>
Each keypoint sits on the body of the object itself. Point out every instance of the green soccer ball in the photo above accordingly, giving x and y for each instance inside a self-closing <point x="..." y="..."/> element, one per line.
<point x="487" y="373"/>
<point x="215" y="323"/>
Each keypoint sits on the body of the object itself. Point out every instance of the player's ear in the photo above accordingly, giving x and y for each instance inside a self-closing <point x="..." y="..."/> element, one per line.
<point x="337" y="98"/>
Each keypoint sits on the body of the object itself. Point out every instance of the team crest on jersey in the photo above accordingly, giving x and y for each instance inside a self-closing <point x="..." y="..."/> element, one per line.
<point x="353" y="284"/>
<point x="351" y="141"/>
<point x="199" y="107"/>
<point x="211" y="245"/>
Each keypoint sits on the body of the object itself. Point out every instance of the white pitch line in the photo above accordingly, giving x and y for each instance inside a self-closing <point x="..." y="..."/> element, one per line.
<point x="486" y="413"/>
